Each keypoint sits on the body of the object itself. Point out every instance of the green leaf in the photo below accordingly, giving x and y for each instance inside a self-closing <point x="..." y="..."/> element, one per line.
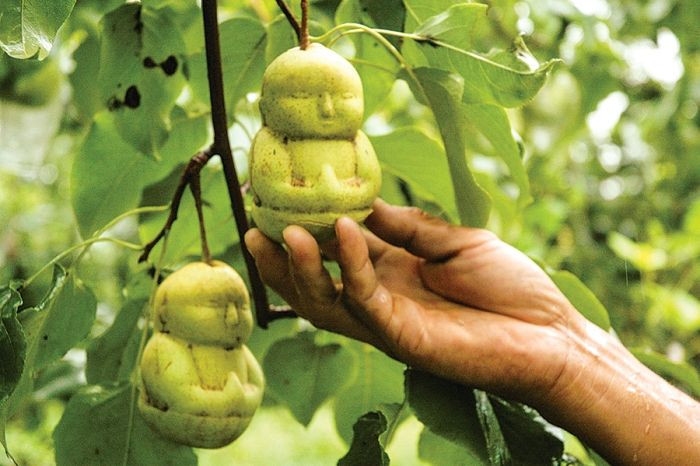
<point x="673" y="308"/>
<point x="108" y="175"/>
<point x="448" y="410"/>
<point x="582" y="298"/>
<point x="443" y="92"/>
<point x="242" y="57"/>
<point x="679" y="371"/>
<point x="101" y="426"/>
<point x="531" y="440"/>
<point x="499" y="455"/>
<point x="12" y="341"/>
<point x="643" y="256"/>
<point x="377" y="381"/>
<point x="55" y="328"/>
<point x="184" y="239"/>
<point x="454" y="25"/>
<point x="419" y="160"/>
<point x="386" y="14"/>
<point x="492" y="122"/>
<point x="86" y="91"/>
<point x="140" y="73"/>
<point x="61" y="320"/>
<point x="374" y="63"/>
<point x="504" y="79"/>
<point x="13" y="346"/>
<point x="112" y="356"/>
<point x="437" y="450"/>
<point x="366" y="450"/>
<point x="304" y="375"/>
<point x="280" y="37"/>
<point x="28" y="27"/>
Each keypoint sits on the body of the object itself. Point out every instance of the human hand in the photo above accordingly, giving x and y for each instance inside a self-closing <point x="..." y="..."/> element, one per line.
<point x="454" y="301"/>
<point x="462" y="304"/>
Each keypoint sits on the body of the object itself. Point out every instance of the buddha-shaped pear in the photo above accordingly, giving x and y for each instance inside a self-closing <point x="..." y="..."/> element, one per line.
<point x="310" y="163"/>
<point x="205" y="304"/>
<point x="200" y="385"/>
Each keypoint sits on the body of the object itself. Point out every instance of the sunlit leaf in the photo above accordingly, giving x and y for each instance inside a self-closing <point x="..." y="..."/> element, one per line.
<point x="582" y="298"/>
<point x="140" y="74"/>
<point x="419" y="160"/>
<point x="375" y="64"/>
<point x="642" y="255"/>
<point x="492" y="122"/>
<point x="454" y="25"/>
<point x="108" y="174"/>
<point x="243" y="61"/>
<point x="28" y="28"/>
<point x="443" y="92"/>
<point x="486" y="80"/>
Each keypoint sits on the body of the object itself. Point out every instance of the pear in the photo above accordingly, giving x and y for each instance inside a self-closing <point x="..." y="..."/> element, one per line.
<point x="204" y="303"/>
<point x="198" y="395"/>
<point x="310" y="162"/>
<point x="200" y="384"/>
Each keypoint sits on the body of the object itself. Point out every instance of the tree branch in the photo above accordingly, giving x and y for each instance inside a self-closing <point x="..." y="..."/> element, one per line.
<point x="222" y="147"/>
<point x="191" y="171"/>
<point x="290" y="17"/>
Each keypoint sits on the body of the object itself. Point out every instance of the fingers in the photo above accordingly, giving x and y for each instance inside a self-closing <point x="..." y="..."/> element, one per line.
<point x="300" y="279"/>
<point x="419" y="233"/>
<point x="310" y="277"/>
<point x="272" y="262"/>
<point x="360" y="283"/>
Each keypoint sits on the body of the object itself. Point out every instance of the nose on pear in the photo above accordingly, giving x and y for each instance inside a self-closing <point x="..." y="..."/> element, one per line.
<point x="327" y="110"/>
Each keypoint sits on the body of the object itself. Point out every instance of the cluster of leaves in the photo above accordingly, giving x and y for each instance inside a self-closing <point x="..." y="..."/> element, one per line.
<point x="444" y="109"/>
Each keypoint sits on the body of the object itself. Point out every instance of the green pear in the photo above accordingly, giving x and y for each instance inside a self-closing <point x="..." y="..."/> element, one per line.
<point x="205" y="304"/>
<point x="198" y="395"/>
<point x="310" y="163"/>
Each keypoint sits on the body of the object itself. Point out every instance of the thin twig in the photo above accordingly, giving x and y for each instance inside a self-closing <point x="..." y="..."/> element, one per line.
<point x="222" y="147"/>
<point x="290" y="17"/>
<point x="194" y="166"/>
<point x="196" y="188"/>
<point x="304" y="39"/>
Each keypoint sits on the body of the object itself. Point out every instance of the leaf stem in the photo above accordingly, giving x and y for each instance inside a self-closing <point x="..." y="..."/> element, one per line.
<point x="84" y="244"/>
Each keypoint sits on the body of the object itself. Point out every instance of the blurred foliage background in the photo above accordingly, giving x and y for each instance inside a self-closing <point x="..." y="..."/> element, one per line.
<point x="612" y="144"/>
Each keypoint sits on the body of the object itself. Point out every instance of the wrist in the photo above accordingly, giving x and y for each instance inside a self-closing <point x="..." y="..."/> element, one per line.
<point x="619" y="407"/>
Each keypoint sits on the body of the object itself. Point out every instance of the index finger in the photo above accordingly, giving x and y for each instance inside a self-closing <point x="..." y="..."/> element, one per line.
<point x="421" y="234"/>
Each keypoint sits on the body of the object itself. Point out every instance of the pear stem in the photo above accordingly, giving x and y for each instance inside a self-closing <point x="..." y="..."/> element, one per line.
<point x="304" y="40"/>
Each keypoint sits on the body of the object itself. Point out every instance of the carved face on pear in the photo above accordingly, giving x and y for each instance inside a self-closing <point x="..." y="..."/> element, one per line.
<point x="312" y="93"/>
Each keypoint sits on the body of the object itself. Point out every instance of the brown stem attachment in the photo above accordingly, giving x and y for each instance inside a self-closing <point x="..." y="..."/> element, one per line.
<point x="290" y="17"/>
<point x="196" y="188"/>
<point x="191" y="172"/>
<point x="304" y="39"/>
<point x="222" y="147"/>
